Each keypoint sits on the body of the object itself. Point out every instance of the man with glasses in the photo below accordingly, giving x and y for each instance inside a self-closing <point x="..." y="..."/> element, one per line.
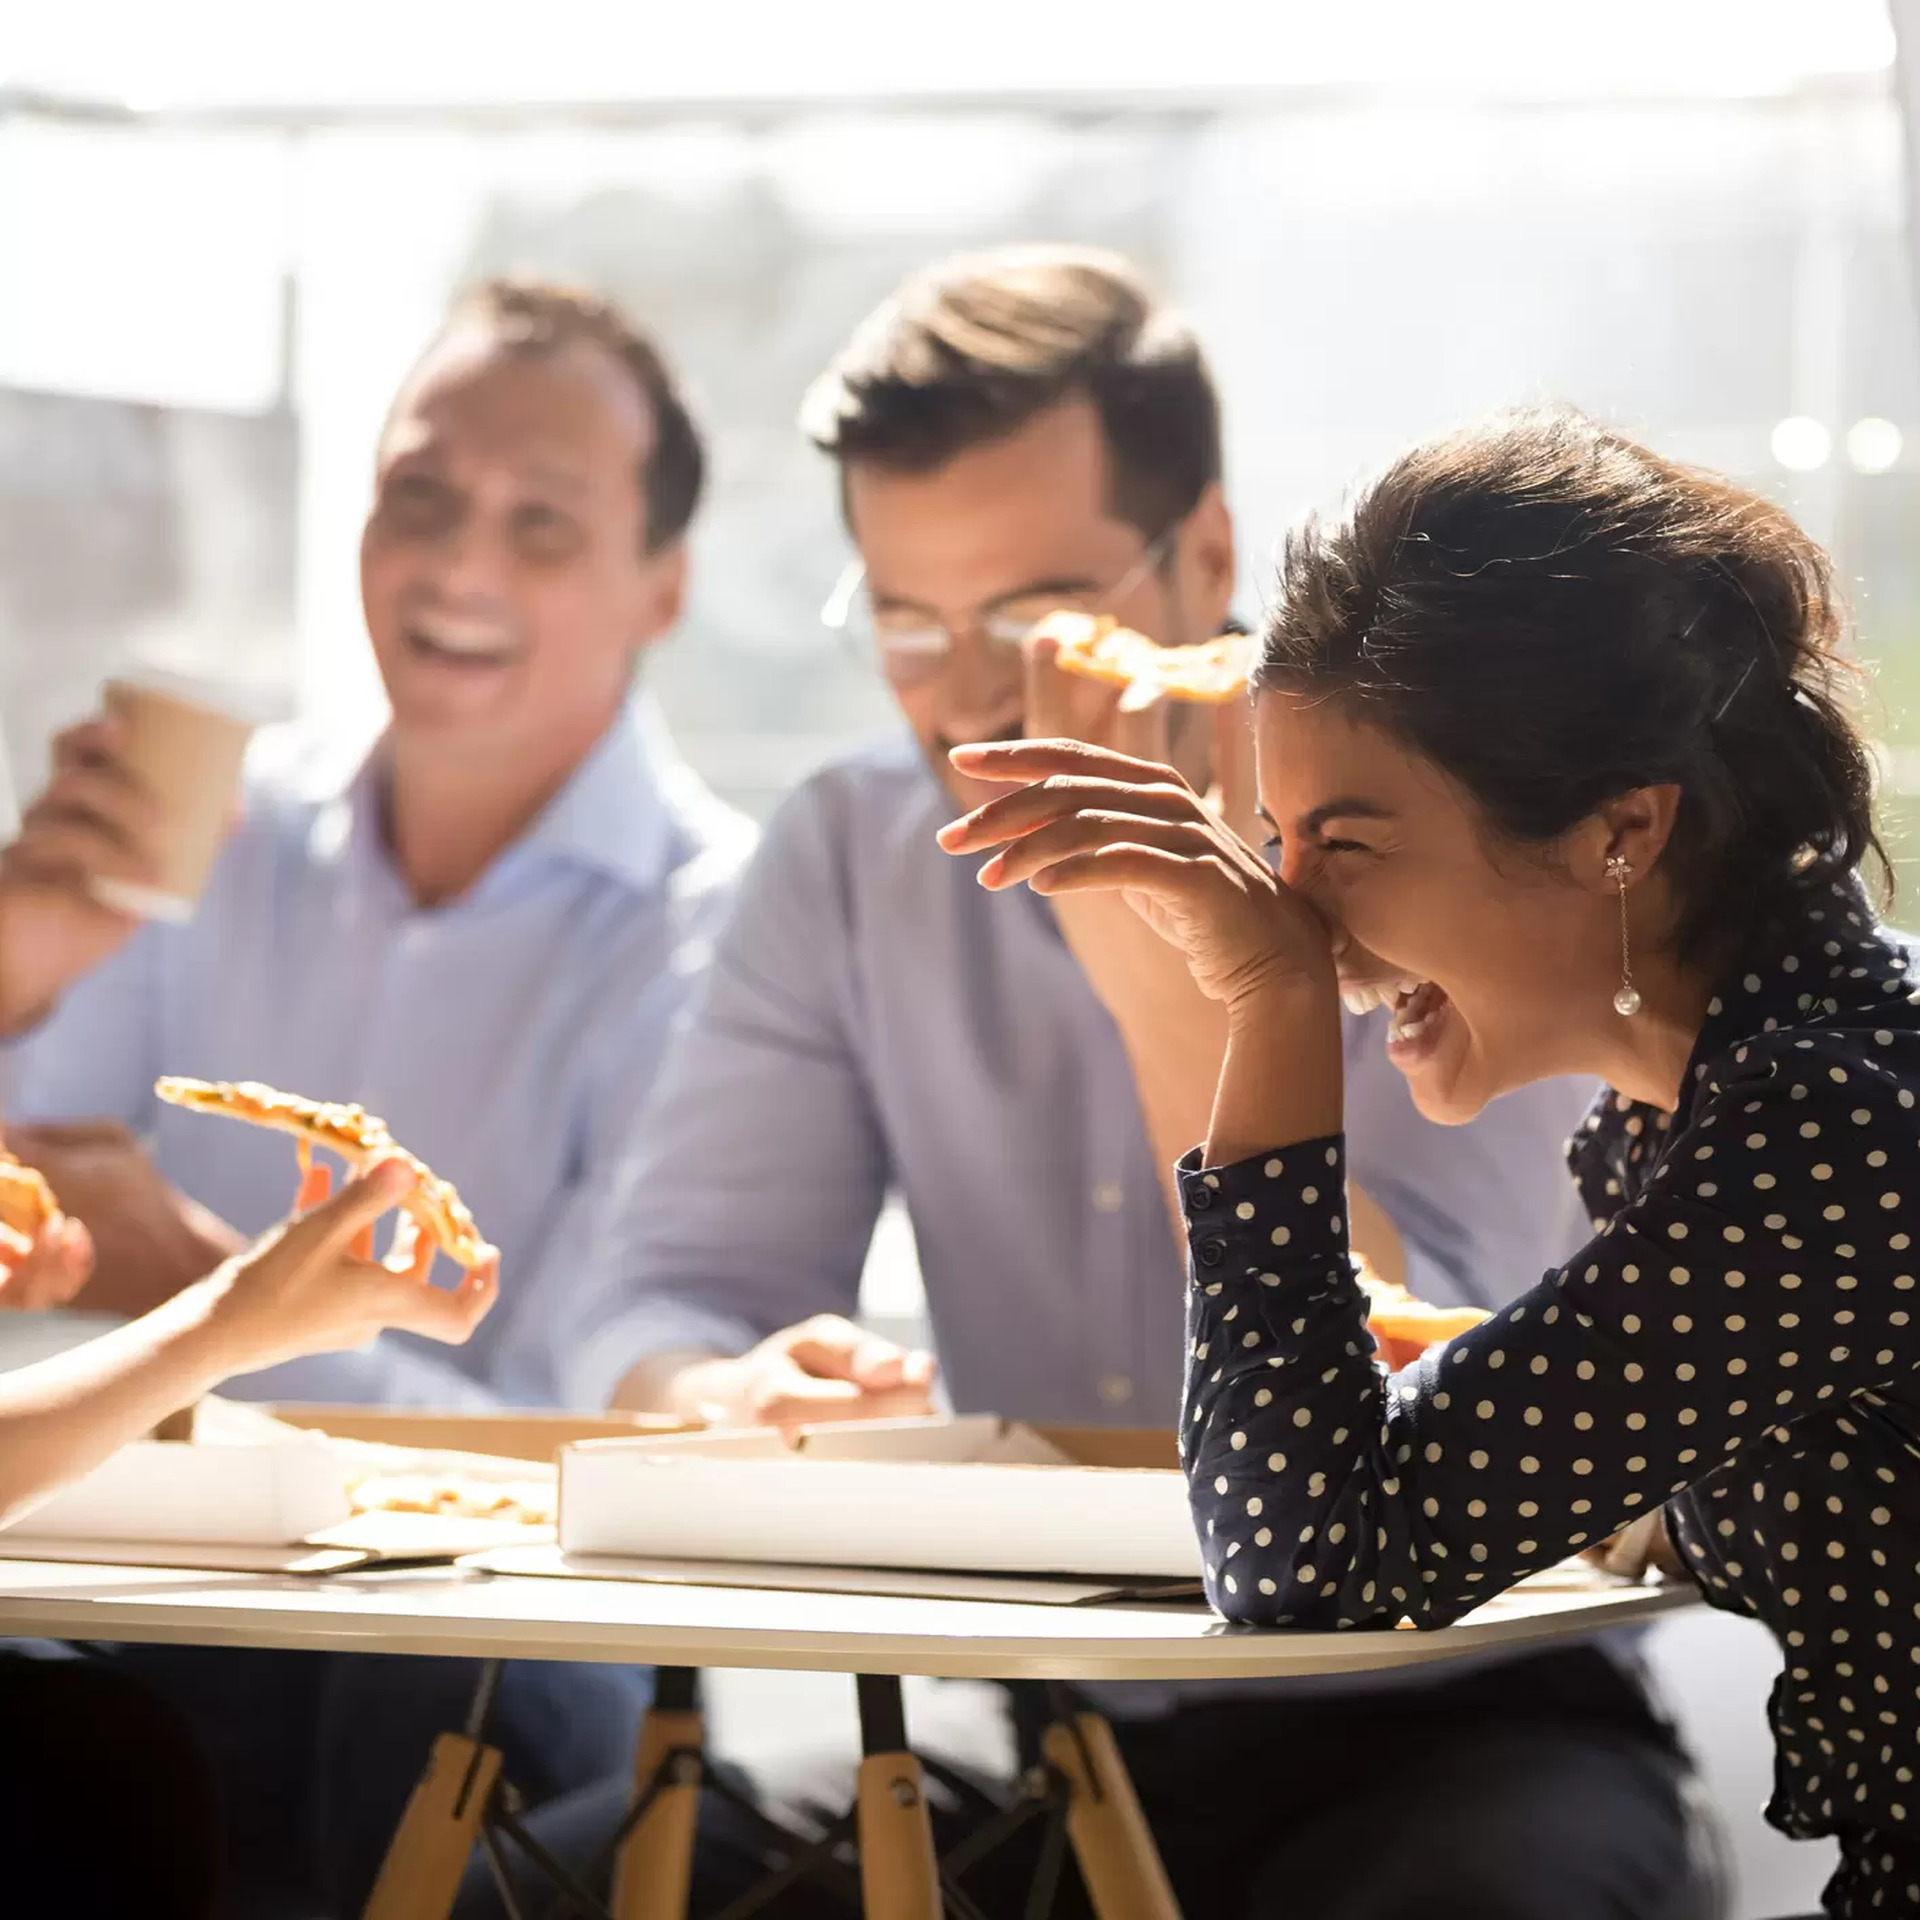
<point x="1015" y="433"/>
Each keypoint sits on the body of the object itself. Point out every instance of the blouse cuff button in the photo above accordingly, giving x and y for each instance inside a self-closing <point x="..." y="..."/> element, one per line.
<point x="1199" y="1197"/>
<point x="1210" y="1252"/>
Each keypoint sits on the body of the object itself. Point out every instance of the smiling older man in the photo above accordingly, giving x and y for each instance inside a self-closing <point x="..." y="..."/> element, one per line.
<point x="482" y="931"/>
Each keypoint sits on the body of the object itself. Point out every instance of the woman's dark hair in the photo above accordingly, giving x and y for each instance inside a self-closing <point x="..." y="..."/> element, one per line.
<point x="1554" y="615"/>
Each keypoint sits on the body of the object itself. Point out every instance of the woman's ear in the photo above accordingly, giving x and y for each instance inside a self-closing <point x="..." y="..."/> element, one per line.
<point x="1634" y="827"/>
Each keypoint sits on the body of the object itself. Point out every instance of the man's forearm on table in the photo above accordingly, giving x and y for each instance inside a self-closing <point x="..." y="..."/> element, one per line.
<point x="628" y="1351"/>
<point x="137" y="1266"/>
<point x="660" y="1383"/>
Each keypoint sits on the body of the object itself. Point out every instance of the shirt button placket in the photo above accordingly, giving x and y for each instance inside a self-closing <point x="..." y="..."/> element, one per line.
<point x="408" y="951"/>
<point x="1130" y="1282"/>
<point x="1110" y="1273"/>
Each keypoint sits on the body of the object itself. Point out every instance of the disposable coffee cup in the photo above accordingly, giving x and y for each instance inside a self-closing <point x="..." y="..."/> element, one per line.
<point x="185" y="739"/>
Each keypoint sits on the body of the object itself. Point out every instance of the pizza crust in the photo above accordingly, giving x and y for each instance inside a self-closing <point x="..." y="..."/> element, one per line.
<point x="1094" y="647"/>
<point x="357" y="1136"/>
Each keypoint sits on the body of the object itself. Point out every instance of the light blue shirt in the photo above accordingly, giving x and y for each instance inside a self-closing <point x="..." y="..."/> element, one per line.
<point x="876" y="1020"/>
<point x="508" y="1038"/>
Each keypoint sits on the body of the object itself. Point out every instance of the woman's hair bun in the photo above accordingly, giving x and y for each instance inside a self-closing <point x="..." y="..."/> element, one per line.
<point x="1555" y="615"/>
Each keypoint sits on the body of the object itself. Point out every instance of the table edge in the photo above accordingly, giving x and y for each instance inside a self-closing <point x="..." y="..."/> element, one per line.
<point x="1229" y="1653"/>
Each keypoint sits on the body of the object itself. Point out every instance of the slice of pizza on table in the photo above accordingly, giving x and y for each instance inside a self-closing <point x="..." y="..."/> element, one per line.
<point x="1404" y="1327"/>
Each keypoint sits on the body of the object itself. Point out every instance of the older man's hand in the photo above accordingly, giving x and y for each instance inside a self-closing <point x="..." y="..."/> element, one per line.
<point x="149" y="1240"/>
<point x="46" y="1271"/>
<point x="96" y="820"/>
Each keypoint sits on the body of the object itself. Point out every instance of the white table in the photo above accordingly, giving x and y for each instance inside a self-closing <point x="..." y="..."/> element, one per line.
<point x="478" y="1616"/>
<point x="679" y="1629"/>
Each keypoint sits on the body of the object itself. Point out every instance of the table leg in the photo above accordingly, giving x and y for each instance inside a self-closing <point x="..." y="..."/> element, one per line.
<point x="420" y="1876"/>
<point x="1111" y="1839"/>
<point x="899" y="1874"/>
<point x="655" y="1867"/>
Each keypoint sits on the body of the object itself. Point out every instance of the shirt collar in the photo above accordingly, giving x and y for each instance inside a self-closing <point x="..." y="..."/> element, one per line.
<point x="622" y="812"/>
<point x="1833" y="961"/>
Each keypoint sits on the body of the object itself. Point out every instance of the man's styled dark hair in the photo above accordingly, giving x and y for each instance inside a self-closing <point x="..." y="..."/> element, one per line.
<point x="539" y="316"/>
<point x="974" y="348"/>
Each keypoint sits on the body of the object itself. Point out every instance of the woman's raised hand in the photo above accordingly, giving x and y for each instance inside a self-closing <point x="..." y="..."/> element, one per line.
<point x="1088" y="818"/>
<point x="313" y="1285"/>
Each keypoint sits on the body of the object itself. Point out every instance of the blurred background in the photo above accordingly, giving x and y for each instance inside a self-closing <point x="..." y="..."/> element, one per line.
<point x="225" y="231"/>
<point x="223" y="237"/>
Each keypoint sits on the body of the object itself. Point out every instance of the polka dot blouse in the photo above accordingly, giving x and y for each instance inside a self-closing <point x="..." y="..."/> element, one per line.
<point x="1738" y="1342"/>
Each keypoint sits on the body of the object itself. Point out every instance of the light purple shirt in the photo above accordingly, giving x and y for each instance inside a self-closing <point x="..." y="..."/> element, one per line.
<point x="876" y="1020"/>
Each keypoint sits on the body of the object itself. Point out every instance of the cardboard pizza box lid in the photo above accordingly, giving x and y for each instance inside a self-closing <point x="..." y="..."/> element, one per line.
<point x="275" y="1481"/>
<point x="976" y="1493"/>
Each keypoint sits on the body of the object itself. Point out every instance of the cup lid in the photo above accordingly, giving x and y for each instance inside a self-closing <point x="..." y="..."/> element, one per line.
<point x="231" y="699"/>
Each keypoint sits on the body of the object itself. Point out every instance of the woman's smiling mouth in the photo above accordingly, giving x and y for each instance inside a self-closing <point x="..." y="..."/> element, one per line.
<point x="1419" y="1023"/>
<point x="1418" y="1011"/>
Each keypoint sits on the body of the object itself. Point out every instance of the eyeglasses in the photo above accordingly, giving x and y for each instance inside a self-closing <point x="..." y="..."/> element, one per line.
<point x="913" y="649"/>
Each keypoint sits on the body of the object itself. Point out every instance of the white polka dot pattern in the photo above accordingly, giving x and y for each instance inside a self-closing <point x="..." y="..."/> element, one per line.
<point x="1738" y="1342"/>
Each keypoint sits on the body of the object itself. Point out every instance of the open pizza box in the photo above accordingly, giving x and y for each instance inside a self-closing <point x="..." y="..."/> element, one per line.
<point x="305" y="1489"/>
<point x="923" y="1506"/>
<point x="977" y="1507"/>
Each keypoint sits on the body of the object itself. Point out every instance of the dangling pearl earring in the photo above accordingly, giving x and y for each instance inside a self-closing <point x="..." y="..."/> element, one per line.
<point x="1626" y="1002"/>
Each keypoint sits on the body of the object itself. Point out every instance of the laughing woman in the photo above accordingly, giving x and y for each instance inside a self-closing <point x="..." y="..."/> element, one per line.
<point x="1552" y="744"/>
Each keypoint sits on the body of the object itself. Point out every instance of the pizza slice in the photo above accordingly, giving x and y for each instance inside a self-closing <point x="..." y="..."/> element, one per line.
<point x="357" y="1136"/>
<point x="1405" y="1327"/>
<point x="1095" y="647"/>
<point x="27" y="1204"/>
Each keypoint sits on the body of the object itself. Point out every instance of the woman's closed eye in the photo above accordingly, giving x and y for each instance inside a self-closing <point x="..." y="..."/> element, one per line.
<point x="1273" y="847"/>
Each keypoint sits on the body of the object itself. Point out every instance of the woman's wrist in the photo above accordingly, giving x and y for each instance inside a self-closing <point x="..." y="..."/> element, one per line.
<point x="1282" y="1078"/>
<point x="1282" y="1002"/>
<point x="213" y="1322"/>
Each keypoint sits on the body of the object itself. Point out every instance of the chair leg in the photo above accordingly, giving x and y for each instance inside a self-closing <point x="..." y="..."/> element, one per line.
<point x="1125" y="1877"/>
<point x="899" y="1879"/>
<point x="655" y="1868"/>
<point x="899" y="1872"/>
<point x="420" y="1876"/>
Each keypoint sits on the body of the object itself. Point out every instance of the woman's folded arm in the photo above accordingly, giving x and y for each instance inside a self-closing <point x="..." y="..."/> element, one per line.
<point x="1328" y="1495"/>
